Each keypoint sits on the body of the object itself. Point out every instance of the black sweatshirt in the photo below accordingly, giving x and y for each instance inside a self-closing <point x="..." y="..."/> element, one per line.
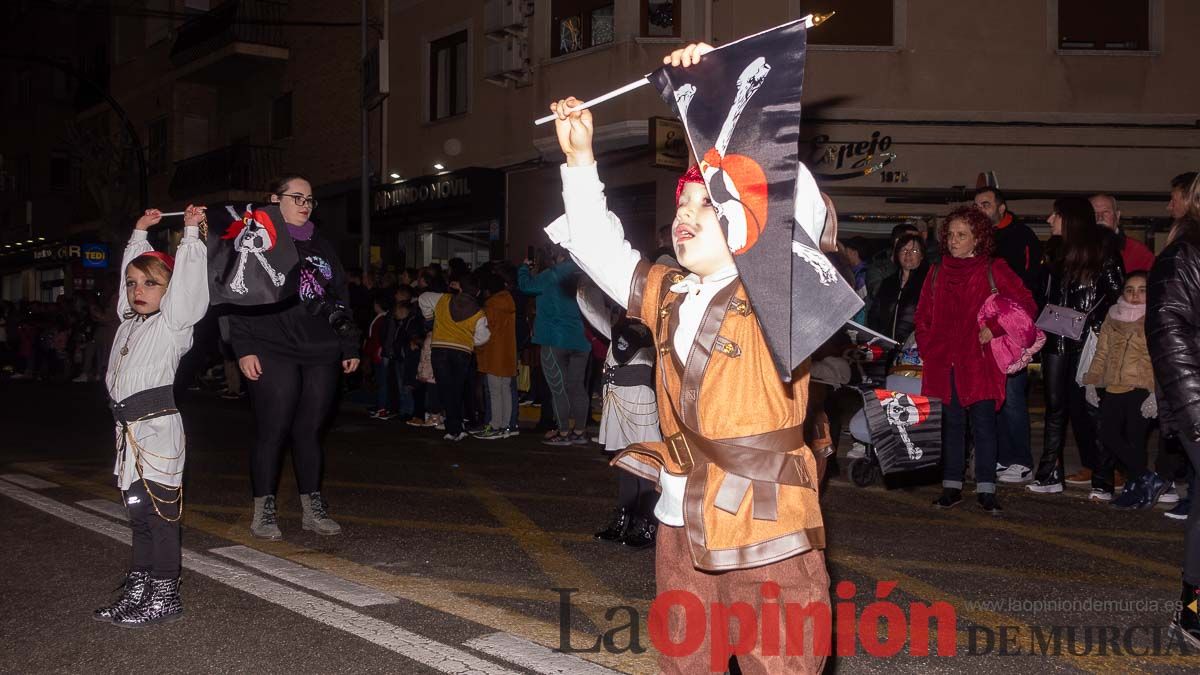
<point x="295" y="330"/>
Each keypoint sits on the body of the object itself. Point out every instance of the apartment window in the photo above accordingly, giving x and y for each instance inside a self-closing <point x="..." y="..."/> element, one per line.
<point x="1114" y="25"/>
<point x="60" y="171"/>
<point x="660" y="18"/>
<point x="156" y="147"/>
<point x="579" y="24"/>
<point x="195" y="135"/>
<point x="859" y="23"/>
<point x="448" y="76"/>
<point x="281" y="117"/>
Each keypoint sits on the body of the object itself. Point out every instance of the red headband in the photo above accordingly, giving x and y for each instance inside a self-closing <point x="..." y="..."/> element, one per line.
<point x="161" y="257"/>
<point x="692" y="175"/>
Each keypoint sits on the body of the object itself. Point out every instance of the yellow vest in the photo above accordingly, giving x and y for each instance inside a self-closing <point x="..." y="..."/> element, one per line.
<point x="453" y="334"/>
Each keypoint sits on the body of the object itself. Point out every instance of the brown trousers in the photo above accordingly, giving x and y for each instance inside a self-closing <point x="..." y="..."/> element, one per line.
<point x="802" y="579"/>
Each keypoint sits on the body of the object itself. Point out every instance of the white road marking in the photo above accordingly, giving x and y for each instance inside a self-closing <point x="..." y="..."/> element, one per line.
<point x="325" y="583"/>
<point x="106" y="507"/>
<point x="27" y="481"/>
<point x="533" y="656"/>
<point x="436" y="655"/>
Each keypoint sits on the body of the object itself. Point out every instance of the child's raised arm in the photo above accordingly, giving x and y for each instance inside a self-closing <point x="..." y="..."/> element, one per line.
<point x="136" y="246"/>
<point x="186" y="299"/>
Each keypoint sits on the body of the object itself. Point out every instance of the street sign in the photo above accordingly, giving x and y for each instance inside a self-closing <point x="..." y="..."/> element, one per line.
<point x="375" y="75"/>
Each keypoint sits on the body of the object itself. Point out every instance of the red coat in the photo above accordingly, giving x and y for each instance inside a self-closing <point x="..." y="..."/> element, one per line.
<point x="947" y="328"/>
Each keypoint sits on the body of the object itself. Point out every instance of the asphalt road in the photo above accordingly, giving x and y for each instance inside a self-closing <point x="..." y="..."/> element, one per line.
<point x="450" y="554"/>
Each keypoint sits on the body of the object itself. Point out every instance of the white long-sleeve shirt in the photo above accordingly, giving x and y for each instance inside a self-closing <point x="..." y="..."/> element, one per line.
<point x="596" y="240"/>
<point x="154" y="346"/>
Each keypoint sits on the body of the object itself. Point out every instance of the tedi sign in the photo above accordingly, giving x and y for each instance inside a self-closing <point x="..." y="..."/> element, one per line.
<point x="834" y="160"/>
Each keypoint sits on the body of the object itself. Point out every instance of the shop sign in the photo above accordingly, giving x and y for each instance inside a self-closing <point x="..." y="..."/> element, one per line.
<point x="94" y="256"/>
<point x="668" y="140"/>
<point x="833" y="160"/>
<point x="403" y="194"/>
<point x="64" y="252"/>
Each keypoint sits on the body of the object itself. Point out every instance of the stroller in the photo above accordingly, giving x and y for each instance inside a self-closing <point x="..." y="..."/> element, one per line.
<point x="894" y="414"/>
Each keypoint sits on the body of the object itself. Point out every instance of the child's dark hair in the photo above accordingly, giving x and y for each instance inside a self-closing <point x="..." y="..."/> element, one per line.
<point x="1144" y="276"/>
<point x="382" y="298"/>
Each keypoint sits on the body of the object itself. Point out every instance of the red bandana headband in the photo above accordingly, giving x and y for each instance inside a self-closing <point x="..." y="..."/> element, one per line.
<point x="161" y="257"/>
<point x="692" y="175"/>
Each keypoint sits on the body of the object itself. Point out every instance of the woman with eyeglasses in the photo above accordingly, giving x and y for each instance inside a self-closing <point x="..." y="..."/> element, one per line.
<point x="895" y="306"/>
<point x="292" y="358"/>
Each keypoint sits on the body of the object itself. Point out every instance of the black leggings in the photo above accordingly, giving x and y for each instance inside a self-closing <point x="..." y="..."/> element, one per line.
<point x="1123" y="433"/>
<point x="290" y="399"/>
<point x="156" y="544"/>
<point x="636" y="494"/>
<point x="451" y="368"/>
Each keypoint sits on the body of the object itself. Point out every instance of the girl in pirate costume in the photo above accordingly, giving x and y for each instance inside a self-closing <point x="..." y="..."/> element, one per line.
<point x="164" y="298"/>
<point x="630" y="415"/>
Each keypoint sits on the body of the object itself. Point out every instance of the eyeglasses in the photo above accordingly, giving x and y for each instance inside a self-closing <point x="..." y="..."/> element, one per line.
<point x="910" y="251"/>
<point x="300" y="199"/>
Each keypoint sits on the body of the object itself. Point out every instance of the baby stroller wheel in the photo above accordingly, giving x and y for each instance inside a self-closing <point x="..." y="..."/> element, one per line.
<point x="863" y="472"/>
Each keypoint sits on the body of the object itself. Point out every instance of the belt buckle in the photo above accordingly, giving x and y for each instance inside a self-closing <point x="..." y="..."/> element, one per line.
<point x="683" y="458"/>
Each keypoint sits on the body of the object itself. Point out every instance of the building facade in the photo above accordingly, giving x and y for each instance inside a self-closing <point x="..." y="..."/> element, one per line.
<point x="1053" y="97"/>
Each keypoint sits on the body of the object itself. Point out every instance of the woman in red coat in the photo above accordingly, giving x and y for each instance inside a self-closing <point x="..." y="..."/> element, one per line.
<point x="958" y="365"/>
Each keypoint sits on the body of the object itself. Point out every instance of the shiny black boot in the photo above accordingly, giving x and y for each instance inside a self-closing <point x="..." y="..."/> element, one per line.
<point x="641" y="533"/>
<point x="1186" y="623"/>
<point x="135" y="590"/>
<point x="162" y="605"/>
<point x="616" y="528"/>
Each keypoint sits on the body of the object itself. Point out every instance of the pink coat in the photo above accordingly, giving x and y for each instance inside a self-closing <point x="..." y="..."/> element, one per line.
<point x="1014" y="348"/>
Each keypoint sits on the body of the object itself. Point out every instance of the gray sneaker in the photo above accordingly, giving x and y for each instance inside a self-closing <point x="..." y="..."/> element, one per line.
<point x="316" y="518"/>
<point x="264" y="524"/>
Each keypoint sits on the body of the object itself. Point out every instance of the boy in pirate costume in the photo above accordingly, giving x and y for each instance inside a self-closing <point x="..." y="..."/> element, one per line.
<point x="164" y="299"/>
<point x="738" y="508"/>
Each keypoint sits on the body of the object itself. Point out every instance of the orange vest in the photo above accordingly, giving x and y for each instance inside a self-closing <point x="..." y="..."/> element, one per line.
<point x="732" y="427"/>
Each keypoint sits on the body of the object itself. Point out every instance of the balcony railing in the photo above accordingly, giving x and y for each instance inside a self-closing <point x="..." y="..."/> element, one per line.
<point x="236" y="167"/>
<point x="249" y="21"/>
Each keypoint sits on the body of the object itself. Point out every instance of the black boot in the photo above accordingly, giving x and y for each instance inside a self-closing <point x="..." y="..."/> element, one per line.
<point x="615" y="530"/>
<point x="950" y="498"/>
<point x="162" y="605"/>
<point x="135" y="587"/>
<point x="987" y="502"/>
<point x="641" y="532"/>
<point x="1187" y="620"/>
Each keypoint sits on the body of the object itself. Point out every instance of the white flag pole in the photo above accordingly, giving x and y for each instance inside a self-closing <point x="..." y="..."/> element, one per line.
<point x="809" y="21"/>
<point x="173" y="213"/>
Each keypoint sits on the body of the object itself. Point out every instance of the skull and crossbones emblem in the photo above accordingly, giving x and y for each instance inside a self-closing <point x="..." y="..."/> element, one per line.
<point x="254" y="239"/>
<point x="902" y="412"/>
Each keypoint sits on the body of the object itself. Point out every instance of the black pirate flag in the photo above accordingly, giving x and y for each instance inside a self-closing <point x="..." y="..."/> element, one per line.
<point x="741" y="108"/>
<point x="906" y="429"/>
<point x="251" y="257"/>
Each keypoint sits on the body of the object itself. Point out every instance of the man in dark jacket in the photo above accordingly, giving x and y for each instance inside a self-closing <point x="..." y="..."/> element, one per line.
<point x="1018" y="246"/>
<point x="1173" y="336"/>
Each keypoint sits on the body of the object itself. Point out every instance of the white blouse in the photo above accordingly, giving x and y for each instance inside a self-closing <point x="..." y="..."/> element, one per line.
<point x="153" y="348"/>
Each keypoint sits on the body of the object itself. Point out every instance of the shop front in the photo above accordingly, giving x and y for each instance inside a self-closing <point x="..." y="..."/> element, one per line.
<point x="42" y="273"/>
<point x="431" y="219"/>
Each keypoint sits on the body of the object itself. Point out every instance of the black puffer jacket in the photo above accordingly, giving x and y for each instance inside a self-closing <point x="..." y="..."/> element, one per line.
<point x="893" y="310"/>
<point x="1096" y="295"/>
<point x="1173" y="332"/>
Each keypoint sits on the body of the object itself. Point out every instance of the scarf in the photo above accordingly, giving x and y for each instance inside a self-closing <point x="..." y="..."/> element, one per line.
<point x="1123" y="311"/>
<point x="301" y="232"/>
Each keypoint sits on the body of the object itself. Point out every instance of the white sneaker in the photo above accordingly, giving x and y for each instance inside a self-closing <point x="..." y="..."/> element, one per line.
<point x="1170" y="496"/>
<point x="1098" y="495"/>
<point x="1044" y="488"/>
<point x="856" y="451"/>
<point x="453" y="438"/>
<point x="1015" y="474"/>
<point x="81" y="378"/>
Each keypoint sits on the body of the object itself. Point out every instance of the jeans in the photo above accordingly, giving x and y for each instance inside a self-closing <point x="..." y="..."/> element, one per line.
<point x="500" y="401"/>
<point x="1013" y="422"/>
<point x="451" y="368"/>
<point x="383" y="385"/>
<point x="954" y="441"/>
<point x="1191" y="540"/>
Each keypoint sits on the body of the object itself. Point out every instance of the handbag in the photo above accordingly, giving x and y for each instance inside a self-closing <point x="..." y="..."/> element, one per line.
<point x="1063" y="321"/>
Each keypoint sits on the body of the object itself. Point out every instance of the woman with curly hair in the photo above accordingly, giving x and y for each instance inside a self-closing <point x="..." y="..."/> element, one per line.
<point x="958" y="365"/>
